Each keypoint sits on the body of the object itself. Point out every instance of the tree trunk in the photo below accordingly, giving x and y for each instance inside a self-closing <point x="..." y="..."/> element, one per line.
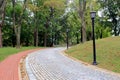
<point x="14" y="27"/>
<point x="17" y="28"/>
<point x="52" y="43"/>
<point x="13" y="38"/>
<point x="0" y="36"/>
<point x="2" y="16"/>
<point x="81" y="34"/>
<point x="51" y="18"/>
<point x="36" y="37"/>
<point x="36" y="30"/>
<point x="45" y="39"/>
<point x="18" y="36"/>
<point x="77" y="36"/>
<point x="82" y="8"/>
<point x="1" y="3"/>
<point x="55" y="38"/>
<point x="114" y="22"/>
<point x="83" y="31"/>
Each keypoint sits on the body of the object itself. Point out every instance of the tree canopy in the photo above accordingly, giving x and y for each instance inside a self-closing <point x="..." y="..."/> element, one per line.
<point x="45" y="22"/>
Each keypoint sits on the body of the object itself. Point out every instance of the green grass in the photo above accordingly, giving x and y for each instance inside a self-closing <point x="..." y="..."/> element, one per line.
<point x="107" y="50"/>
<point x="7" y="51"/>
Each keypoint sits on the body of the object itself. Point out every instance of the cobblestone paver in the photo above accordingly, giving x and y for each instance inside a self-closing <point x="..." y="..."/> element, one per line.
<point x="50" y="64"/>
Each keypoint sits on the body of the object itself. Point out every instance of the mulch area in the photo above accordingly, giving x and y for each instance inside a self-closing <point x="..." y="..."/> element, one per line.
<point x="9" y="68"/>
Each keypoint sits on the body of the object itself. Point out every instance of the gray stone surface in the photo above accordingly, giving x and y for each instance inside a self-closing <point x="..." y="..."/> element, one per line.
<point x="51" y="64"/>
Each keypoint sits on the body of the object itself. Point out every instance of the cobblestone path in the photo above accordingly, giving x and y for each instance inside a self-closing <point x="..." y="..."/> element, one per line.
<point x="51" y="64"/>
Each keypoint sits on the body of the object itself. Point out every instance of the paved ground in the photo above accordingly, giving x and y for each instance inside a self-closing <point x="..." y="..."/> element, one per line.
<point x="51" y="64"/>
<point x="9" y="67"/>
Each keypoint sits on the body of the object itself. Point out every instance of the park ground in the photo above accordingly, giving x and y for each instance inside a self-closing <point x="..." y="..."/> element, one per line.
<point x="108" y="54"/>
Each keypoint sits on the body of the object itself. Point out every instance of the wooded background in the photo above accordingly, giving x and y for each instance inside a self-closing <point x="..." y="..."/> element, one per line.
<point x="45" y="22"/>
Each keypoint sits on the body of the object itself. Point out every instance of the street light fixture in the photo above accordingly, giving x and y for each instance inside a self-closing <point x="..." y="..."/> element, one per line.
<point x="93" y="14"/>
<point x="67" y="30"/>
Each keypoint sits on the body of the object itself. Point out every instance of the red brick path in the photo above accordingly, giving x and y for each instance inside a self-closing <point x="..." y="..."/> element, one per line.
<point x="9" y="67"/>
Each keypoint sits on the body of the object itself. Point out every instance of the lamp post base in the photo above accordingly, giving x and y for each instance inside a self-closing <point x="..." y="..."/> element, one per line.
<point x="94" y="63"/>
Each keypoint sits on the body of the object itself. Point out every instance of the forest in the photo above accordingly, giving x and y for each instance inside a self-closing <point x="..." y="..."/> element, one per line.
<point x="47" y="22"/>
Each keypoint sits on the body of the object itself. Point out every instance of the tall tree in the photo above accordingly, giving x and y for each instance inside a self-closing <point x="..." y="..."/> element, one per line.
<point x="2" y="15"/>
<point x="36" y="7"/>
<point x="82" y="9"/>
<point x="112" y="12"/>
<point x="56" y="9"/>
<point x="17" y="18"/>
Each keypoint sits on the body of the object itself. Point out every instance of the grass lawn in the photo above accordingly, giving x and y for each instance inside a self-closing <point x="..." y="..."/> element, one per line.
<point x="107" y="50"/>
<point x="6" y="51"/>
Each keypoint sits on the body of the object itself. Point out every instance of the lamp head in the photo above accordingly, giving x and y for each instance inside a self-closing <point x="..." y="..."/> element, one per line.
<point x="93" y="14"/>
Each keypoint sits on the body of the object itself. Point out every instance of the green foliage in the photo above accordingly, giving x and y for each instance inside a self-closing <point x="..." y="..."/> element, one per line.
<point x="50" y="18"/>
<point x="111" y="9"/>
<point x="9" y="10"/>
<point x="54" y="4"/>
<point x="18" y="9"/>
<point x="102" y="32"/>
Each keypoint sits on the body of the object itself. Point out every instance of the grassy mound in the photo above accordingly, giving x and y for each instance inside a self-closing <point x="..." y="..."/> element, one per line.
<point x="107" y="51"/>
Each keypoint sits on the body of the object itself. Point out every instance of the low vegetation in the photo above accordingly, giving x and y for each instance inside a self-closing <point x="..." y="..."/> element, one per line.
<point x="107" y="50"/>
<point x="7" y="51"/>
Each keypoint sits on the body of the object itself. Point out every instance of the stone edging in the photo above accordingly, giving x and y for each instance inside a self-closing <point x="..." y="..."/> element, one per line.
<point x="22" y="69"/>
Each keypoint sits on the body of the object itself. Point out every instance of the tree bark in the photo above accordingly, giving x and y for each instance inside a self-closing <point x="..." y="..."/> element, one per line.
<point x="14" y="31"/>
<point x="2" y="16"/>
<point x="77" y="36"/>
<point x="51" y="18"/>
<point x="82" y="8"/>
<point x="0" y="36"/>
<point x="83" y="30"/>
<point x="36" y="30"/>
<point x="114" y="22"/>
<point x="36" y="36"/>
<point x="1" y="3"/>
<point x="18" y="36"/>
<point x="45" y="39"/>
<point x="13" y="38"/>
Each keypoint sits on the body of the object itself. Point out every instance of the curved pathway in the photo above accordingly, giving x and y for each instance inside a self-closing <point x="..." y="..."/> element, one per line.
<point x="9" y="67"/>
<point x="51" y="64"/>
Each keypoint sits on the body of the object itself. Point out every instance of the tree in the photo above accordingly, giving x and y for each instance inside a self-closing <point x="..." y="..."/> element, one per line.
<point x="18" y="11"/>
<point x="2" y="15"/>
<point x="111" y="10"/>
<point x="55" y="9"/>
<point x="82" y="9"/>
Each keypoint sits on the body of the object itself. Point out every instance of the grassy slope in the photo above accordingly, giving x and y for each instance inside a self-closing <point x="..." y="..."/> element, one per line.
<point x="6" y="51"/>
<point x="108" y="53"/>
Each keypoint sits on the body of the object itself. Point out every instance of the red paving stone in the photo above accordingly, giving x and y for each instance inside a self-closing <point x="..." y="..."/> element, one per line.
<point x="9" y="67"/>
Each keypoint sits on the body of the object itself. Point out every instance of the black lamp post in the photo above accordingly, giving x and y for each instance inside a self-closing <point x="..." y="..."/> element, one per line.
<point x="67" y="30"/>
<point x="93" y="14"/>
